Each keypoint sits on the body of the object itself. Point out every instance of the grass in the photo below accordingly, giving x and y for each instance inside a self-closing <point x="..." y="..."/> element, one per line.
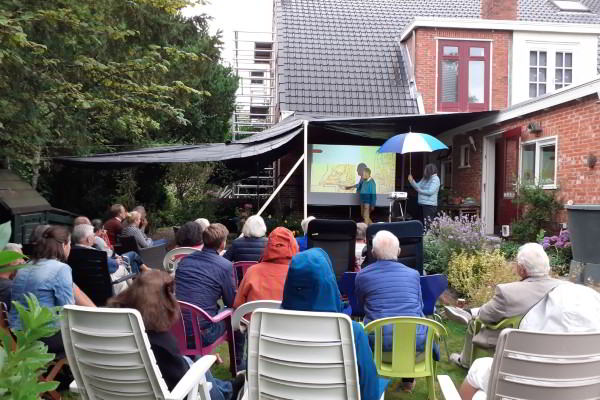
<point x="456" y="334"/>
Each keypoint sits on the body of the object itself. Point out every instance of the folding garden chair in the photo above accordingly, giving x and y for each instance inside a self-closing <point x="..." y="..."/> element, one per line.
<point x="541" y="366"/>
<point x="193" y="315"/>
<point x="347" y="289"/>
<point x="404" y="361"/>
<point x="432" y="286"/>
<point x="338" y="239"/>
<point x="410" y="235"/>
<point x="301" y="355"/>
<point x="110" y="357"/>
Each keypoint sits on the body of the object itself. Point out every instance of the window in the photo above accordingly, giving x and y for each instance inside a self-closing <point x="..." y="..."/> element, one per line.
<point x="258" y="74"/>
<point x="465" y="151"/>
<point x="538" y="163"/>
<point x="570" y="6"/>
<point x="446" y="176"/>
<point x="463" y="83"/>
<point x="563" y="69"/>
<point x="538" y="61"/>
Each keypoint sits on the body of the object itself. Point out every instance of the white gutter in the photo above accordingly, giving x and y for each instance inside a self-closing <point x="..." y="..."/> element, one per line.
<point x="500" y="25"/>
<point x="553" y="99"/>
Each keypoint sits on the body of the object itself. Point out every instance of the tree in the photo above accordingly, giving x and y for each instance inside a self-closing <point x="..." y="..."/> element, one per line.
<point x="81" y="76"/>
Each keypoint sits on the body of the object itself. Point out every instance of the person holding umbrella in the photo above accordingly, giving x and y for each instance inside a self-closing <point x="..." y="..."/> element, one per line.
<point x="427" y="189"/>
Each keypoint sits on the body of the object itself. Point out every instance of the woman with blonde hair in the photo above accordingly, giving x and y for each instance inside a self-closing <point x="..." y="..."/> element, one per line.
<point x="131" y="227"/>
<point x="153" y="295"/>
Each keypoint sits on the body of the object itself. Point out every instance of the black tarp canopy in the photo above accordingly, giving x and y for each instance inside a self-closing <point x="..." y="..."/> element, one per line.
<point x="267" y="146"/>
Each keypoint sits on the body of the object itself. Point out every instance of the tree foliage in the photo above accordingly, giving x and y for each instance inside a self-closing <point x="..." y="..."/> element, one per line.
<point x="81" y="76"/>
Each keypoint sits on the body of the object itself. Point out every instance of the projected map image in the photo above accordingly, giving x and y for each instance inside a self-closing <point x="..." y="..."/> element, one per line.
<point x="333" y="168"/>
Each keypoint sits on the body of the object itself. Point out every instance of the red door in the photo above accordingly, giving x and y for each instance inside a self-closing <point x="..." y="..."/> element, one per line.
<point x="507" y="175"/>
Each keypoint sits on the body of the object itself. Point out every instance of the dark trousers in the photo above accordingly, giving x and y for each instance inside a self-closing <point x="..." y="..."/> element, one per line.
<point x="55" y="344"/>
<point x="428" y="213"/>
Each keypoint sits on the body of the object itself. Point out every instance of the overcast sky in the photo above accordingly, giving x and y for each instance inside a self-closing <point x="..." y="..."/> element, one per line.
<point x="236" y="15"/>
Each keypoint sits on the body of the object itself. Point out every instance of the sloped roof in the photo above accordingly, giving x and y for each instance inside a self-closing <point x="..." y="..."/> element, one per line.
<point x="342" y="58"/>
<point x="547" y="11"/>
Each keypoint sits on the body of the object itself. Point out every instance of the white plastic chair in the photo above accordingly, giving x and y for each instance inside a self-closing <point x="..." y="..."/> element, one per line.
<point x="541" y="366"/>
<point x="301" y="355"/>
<point x="110" y="357"/>
<point x="239" y="323"/>
<point x="170" y="262"/>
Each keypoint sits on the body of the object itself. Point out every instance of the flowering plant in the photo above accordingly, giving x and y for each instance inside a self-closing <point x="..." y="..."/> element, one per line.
<point x="558" y="249"/>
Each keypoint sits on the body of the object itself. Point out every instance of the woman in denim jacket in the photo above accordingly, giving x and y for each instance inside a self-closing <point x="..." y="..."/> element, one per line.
<point x="428" y="189"/>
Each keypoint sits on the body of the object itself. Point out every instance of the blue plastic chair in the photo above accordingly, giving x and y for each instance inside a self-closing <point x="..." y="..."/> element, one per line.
<point x="432" y="286"/>
<point x="347" y="289"/>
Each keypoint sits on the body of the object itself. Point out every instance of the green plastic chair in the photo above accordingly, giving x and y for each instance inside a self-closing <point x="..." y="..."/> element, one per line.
<point x="478" y="325"/>
<point x="404" y="362"/>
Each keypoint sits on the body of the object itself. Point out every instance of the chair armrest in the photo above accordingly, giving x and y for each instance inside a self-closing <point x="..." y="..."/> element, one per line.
<point x="221" y="316"/>
<point x="447" y="388"/>
<point x="124" y="278"/>
<point x="193" y="377"/>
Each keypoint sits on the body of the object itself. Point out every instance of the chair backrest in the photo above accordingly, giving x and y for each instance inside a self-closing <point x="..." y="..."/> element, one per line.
<point x="347" y="289"/>
<point x="154" y="256"/>
<point x="546" y="366"/>
<point x="410" y="235"/>
<point x="404" y="346"/>
<point x="170" y="261"/>
<point x="338" y="239"/>
<point x="239" y="270"/>
<point x="109" y="354"/>
<point x="125" y="244"/>
<point x="90" y="273"/>
<point x="301" y="355"/>
<point x="238" y="319"/>
<point x="432" y="286"/>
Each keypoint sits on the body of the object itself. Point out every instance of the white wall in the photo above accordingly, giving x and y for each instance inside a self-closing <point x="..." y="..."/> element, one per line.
<point x="585" y="58"/>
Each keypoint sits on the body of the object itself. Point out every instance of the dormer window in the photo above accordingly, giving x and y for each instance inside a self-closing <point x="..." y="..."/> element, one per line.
<point x="571" y="6"/>
<point x="463" y="75"/>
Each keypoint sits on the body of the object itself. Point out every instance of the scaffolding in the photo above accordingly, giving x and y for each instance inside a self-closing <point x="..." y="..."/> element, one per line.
<point x="255" y="111"/>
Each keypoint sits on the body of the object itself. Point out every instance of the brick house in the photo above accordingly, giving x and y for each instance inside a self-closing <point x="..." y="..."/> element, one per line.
<point x="366" y="58"/>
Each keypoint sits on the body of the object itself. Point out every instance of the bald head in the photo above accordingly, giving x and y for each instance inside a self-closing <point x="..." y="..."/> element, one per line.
<point x="386" y="246"/>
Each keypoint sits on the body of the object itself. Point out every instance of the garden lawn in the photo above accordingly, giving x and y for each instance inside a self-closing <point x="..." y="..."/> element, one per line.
<point x="456" y="334"/>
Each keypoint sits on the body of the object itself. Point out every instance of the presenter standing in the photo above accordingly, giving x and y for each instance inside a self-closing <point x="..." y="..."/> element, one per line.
<point x="366" y="192"/>
<point x="427" y="189"/>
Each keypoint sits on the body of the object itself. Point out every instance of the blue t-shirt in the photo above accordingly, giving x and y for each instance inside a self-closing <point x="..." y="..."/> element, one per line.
<point x="50" y="281"/>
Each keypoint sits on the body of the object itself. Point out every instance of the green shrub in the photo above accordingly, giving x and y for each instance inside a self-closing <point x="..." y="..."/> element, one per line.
<point x="539" y="206"/>
<point x="509" y="249"/>
<point x="475" y="275"/>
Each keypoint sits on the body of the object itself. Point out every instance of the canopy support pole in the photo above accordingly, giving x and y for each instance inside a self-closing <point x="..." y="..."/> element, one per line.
<point x="305" y="176"/>
<point x="280" y="186"/>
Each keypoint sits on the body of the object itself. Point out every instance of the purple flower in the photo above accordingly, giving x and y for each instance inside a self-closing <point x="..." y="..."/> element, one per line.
<point x="546" y="245"/>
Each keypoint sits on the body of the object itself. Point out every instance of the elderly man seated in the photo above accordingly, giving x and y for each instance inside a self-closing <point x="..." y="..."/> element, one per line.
<point x="568" y="308"/>
<point x="83" y="238"/>
<point x="511" y="299"/>
<point x="387" y="288"/>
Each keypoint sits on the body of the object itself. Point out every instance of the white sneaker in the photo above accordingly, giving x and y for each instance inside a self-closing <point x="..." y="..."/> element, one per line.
<point x="455" y="358"/>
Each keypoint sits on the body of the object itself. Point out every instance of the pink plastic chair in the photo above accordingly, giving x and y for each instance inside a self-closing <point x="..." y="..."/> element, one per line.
<point x="196" y="315"/>
<point x="239" y="270"/>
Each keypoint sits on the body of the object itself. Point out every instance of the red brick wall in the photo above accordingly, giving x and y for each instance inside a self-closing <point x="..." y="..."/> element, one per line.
<point x="499" y="9"/>
<point x="577" y="128"/>
<point x="425" y="62"/>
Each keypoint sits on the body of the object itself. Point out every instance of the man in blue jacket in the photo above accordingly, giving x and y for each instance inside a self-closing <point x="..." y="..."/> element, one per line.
<point x="388" y="288"/>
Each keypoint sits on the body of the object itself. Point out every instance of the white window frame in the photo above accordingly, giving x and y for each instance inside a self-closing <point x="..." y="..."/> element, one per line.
<point x="563" y="68"/>
<point x="537" y="67"/>
<point x="539" y="143"/>
<point x="465" y="161"/>
<point x="444" y="178"/>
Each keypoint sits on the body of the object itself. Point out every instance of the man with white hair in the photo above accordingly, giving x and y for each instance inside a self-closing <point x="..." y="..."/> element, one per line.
<point x="511" y="299"/>
<point x="387" y="288"/>
<point x="250" y="246"/>
<point x="203" y="222"/>
<point x="303" y="240"/>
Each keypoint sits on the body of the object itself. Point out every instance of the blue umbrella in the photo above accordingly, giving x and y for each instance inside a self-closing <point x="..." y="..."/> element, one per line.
<point x="411" y="142"/>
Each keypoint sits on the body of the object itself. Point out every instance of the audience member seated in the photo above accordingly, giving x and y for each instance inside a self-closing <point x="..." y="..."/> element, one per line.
<point x="99" y="243"/>
<point x="387" y="288"/>
<point x="6" y="277"/>
<point x="204" y="277"/>
<point x="190" y="235"/>
<point x="203" y="222"/>
<point x="311" y="286"/>
<point x="144" y="221"/>
<point x="251" y="245"/>
<point x="114" y="225"/>
<point x="48" y="277"/>
<point x="131" y="227"/>
<point x="103" y="242"/>
<point x="303" y="240"/>
<point x="511" y="299"/>
<point x="361" y="243"/>
<point x="152" y="295"/>
<point x="264" y="281"/>
<point x="567" y="308"/>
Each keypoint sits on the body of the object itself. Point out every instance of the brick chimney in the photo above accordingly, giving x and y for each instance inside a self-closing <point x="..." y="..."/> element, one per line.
<point x="499" y="9"/>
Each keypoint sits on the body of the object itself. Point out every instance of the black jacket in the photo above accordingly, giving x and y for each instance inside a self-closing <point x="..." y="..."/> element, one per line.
<point x="246" y="249"/>
<point x="170" y="362"/>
